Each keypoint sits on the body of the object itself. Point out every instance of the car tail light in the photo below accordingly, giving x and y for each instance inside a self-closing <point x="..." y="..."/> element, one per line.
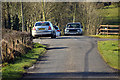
<point x="34" y="28"/>
<point x="49" y="28"/>
<point x="58" y="30"/>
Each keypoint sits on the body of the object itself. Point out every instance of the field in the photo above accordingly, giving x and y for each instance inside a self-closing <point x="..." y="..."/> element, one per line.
<point x="109" y="50"/>
<point x="111" y="15"/>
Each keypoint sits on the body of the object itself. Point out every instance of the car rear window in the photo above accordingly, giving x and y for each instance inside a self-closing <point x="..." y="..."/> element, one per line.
<point x="73" y="25"/>
<point x="55" y="27"/>
<point x="42" y="24"/>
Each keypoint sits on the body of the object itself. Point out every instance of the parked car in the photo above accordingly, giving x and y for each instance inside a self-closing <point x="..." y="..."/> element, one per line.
<point x="73" y="28"/>
<point x="44" y="28"/>
<point x="58" y="33"/>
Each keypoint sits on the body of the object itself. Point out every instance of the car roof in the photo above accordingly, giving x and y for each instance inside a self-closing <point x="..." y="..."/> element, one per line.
<point x="42" y="21"/>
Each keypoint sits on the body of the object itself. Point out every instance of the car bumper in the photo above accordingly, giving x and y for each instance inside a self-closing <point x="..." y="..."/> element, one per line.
<point x="41" y="33"/>
<point x="73" y="32"/>
<point x="57" y="34"/>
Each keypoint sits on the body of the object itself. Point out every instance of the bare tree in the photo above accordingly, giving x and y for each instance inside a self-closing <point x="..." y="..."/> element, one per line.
<point x="90" y="17"/>
<point x="22" y="16"/>
<point x="59" y="13"/>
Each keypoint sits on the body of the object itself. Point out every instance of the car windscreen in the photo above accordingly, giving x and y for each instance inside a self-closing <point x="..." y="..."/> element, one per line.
<point x="73" y="26"/>
<point x="42" y="24"/>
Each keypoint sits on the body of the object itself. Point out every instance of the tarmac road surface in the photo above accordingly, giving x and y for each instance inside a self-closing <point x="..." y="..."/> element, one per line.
<point x="70" y="58"/>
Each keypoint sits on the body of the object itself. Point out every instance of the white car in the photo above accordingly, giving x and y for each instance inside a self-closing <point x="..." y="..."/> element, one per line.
<point x="43" y="28"/>
<point x="58" y="33"/>
<point x="73" y="28"/>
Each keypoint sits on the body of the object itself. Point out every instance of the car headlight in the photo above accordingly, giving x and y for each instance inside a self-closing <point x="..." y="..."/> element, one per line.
<point x="66" y="30"/>
<point x="78" y="30"/>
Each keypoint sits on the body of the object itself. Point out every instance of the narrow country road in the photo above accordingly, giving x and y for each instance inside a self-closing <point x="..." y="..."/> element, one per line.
<point x="70" y="58"/>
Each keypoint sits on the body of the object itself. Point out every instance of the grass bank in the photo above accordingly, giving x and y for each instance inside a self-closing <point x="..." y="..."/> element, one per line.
<point x="106" y="36"/>
<point x="15" y="70"/>
<point x="109" y="50"/>
<point x="110" y="14"/>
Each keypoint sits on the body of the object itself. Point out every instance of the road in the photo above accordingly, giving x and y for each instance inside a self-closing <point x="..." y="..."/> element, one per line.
<point x="70" y="58"/>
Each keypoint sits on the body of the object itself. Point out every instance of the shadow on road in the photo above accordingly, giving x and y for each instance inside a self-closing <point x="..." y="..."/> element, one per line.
<point x="56" y="48"/>
<point x="65" y="37"/>
<point x="42" y="58"/>
<point x="71" y="76"/>
<point x="72" y="37"/>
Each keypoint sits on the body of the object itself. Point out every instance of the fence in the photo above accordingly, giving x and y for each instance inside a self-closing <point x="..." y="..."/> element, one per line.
<point x="109" y="29"/>
<point x="14" y="44"/>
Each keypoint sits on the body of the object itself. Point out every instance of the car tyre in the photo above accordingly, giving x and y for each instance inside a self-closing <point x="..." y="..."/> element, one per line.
<point x="53" y="35"/>
<point x="60" y="34"/>
<point x="66" y="34"/>
<point x="33" y="37"/>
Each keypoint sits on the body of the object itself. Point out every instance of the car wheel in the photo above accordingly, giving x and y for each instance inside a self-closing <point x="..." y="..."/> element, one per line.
<point x="66" y="34"/>
<point x="33" y="37"/>
<point x="60" y="34"/>
<point x="53" y="35"/>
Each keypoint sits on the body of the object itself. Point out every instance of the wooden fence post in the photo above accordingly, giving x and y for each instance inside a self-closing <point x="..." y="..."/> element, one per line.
<point x="107" y="29"/>
<point x="16" y="45"/>
<point x="13" y="44"/>
<point x="25" y="41"/>
<point x="22" y="40"/>
<point x="6" y="52"/>
<point x="119" y="31"/>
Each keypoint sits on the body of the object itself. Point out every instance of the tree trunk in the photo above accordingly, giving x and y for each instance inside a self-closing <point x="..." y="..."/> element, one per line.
<point x="74" y="14"/>
<point x="43" y="11"/>
<point x="22" y="16"/>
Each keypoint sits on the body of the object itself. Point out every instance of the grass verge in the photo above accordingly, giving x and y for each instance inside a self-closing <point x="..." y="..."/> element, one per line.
<point x="15" y="70"/>
<point x="106" y="36"/>
<point x="109" y="51"/>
